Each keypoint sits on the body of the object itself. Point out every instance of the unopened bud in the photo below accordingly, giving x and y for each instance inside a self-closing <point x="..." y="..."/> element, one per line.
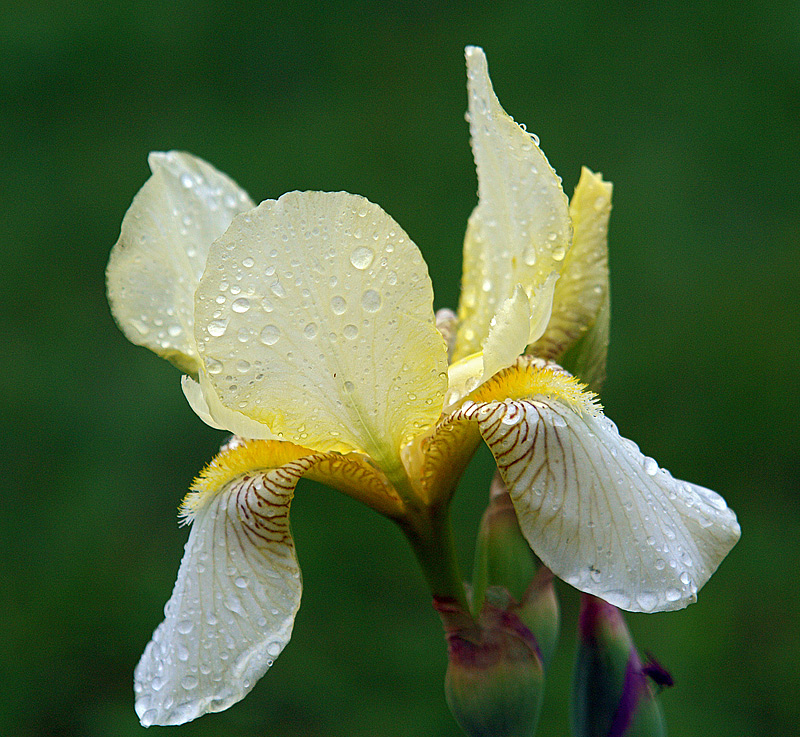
<point x="611" y="694"/>
<point x="495" y="678"/>
<point x="503" y="556"/>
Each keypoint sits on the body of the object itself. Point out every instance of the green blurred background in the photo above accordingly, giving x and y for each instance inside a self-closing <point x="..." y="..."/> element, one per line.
<point x="693" y="113"/>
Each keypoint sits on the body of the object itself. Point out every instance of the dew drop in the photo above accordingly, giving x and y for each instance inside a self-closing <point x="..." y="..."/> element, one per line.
<point x="559" y="253"/>
<point x="217" y="328"/>
<point x="350" y="331"/>
<point x="183" y="653"/>
<point x="338" y="305"/>
<point x="349" y="386"/>
<point x="269" y="335"/>
<point x="241" y="305"/>
<point x="241" y="582"/>
<point x="148" y="719"/>
<point x="650" y="466"/>
<point x="361" y="257"/>
<point x="647" y="601"/>
<point x="310" y="330"/>
<point x="673" y="594"/>
<point x="185" y="626"/>
<point x="187" y="181"/>
<point x="371" y="300"/>
<point x="248" y="262"/>
<point x="189" y="682"/>
<point x="242" y="366"/>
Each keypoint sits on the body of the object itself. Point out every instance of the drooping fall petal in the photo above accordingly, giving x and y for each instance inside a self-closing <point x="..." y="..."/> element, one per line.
<point x="238" y="589"/>
<point x="597" y="512"/>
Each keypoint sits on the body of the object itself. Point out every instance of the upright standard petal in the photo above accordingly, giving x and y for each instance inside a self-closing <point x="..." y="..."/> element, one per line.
<point x="599" y="514"/>
<point x="157" y="262"/>
<point x="233" y="606"/>
<point x="583" y="286"/>
<point x="315" y="317"/>
<point x="520" y="232"/>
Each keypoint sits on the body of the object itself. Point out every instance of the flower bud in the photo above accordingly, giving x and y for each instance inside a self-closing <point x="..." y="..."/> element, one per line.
<point x="503" y="556"/>
<point x="506" y="576"/>
<point x="611" y="695"/>
<point x="495" y="678"/>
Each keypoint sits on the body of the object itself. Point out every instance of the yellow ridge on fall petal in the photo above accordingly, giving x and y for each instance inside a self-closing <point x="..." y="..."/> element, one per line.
<point x="529" y="377"/>
<point x="352" y="474"/>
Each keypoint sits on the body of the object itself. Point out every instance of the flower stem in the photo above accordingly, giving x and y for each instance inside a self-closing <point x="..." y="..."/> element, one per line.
<point x="431" y="537"/>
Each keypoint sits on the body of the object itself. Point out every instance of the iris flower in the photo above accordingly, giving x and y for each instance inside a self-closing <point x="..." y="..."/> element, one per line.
<point x="305" y="327"/>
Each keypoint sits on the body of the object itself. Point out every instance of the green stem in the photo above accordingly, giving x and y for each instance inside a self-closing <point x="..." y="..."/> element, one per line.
<point x="431" y="537"/>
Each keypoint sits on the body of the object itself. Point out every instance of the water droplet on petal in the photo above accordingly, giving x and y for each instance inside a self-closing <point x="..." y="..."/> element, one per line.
<point x="217" y="328"/>
<point x="269" y="335"/>
<point x="338" y="305"/>
<point x="241" y="305"/>
<point x="310" y="331"/>
<point x="361" y="257"/>
<point x="371" y="300"/>
<point x="189" y="682"/>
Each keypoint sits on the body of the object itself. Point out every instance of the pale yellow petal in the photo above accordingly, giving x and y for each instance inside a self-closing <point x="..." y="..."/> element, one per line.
<point x="508" y="333"/>
<point x="586" y="357"/>
<point x="203" y="399"/>
<point x="314" y="317"/>
<point x="583" y="286"/>
<point x="520" y="232"/>
<point x="157" y="262"/>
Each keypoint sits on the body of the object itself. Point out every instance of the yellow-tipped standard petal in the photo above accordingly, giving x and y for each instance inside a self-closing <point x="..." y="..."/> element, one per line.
<point x="520" y="232"/>
<point x="597" y="512"/>
<point x="583" y="286"/>
<point x="157" y="262"/>
<point x="233" y="606"/>
<point x="314" y="317"/>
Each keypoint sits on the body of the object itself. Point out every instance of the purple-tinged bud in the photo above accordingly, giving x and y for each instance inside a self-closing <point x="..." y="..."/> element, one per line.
<point x="495" y="679"/>
<point x="611" y="695"/>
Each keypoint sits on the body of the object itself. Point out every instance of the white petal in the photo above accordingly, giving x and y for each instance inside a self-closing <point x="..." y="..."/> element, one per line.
<point x="157" y="262"/>
<point x="598" y="513"/>
<point x="233" y="606"/>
